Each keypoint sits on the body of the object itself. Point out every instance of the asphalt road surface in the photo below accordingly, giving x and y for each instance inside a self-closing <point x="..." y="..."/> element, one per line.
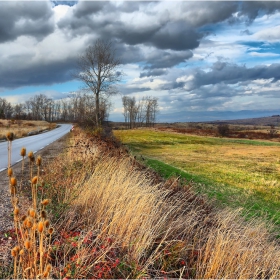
<point x="31" y="143"/>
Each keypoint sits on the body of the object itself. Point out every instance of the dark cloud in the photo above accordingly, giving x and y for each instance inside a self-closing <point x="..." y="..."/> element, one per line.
<point x="176" y="36"/>
<point x="252" y="9"/>
<point x="25" y="18"/>
<point x="128" y="54"/>
<point x="132" y="90"/>
<point x="161" y="33"/>
<point x="153" y="73"/>
<point x="166" y="59"/>
<point x="85" y="8"/>
<point x="30" y="74"/>
<point x="233" y="73"/>
<point x="131" y="6"/>
<point x="171" y="35"/>
<point x="202" y="13"/>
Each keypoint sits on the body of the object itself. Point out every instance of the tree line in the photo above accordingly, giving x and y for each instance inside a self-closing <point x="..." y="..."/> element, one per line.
<point x="78" y="107"/>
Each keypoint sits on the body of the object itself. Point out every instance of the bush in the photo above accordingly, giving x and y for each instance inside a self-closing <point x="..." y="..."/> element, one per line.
<point x="223" y="129"/>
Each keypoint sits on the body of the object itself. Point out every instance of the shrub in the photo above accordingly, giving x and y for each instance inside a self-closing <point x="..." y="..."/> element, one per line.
<point x="223" y="129"/>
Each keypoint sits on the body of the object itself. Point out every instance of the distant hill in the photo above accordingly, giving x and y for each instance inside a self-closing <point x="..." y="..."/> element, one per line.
<point x="273" y="120"/>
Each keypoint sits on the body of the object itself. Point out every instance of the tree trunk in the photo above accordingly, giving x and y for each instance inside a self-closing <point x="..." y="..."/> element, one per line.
<point x="97" y="113"/>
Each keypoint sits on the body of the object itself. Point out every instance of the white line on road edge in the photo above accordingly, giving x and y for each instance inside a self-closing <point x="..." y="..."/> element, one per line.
<point x="2" y="169"/>
<point x="18" y="160"/>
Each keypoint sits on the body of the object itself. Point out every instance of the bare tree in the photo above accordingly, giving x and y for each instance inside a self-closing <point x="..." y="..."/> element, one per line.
<point x="138" y="113"/>
<point x="6" y="109"/>
<point x="98" y="71"/>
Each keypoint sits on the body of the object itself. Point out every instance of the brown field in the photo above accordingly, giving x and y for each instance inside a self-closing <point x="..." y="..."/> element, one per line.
<point x="21" y="128"/>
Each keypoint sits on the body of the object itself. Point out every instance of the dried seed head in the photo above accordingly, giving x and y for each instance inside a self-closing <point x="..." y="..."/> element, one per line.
<point x="10" y="172"/>
<point x="32" y="212"/>
<point x="43" y="214"/>
<point x="21" y="252"/>
<point x="23" y="152"/>
<point x="45" y="202"/>
<point x="31" y="156"/>
<point x="27" y="244"/>
<point x="34" y="180"/>
<point x="13" y="181"/>
<point x="28" y="223"/>
<point x="16" y="211"/>
<point x="49" y="267"/>
<point x="51" y="230"/>
<point x="40" y="226"/>
<point x="14" y="253"/>
<point x="10" y="136"/>
<point x="47" y="223"/>
<point x="47" y="271"/>
<point x="39" y="161"/>
<point x="23" y="218"/>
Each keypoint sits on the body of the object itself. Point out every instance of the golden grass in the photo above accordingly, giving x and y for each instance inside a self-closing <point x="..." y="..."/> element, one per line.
<point x="157" y="228"/>
<point x="22" y="127"/>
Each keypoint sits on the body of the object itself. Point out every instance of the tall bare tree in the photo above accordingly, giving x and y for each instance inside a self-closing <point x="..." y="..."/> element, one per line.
<point x="98" y="70"/>
<point x="138" y="113"/>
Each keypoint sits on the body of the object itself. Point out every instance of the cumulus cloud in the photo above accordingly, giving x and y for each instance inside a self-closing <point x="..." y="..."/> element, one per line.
<point x="252" y="9"/>
<point x="191" y="54"/>
<point x="229" y="73"/>
<point x="20" y="18"/>
<point x="269" y="34"/>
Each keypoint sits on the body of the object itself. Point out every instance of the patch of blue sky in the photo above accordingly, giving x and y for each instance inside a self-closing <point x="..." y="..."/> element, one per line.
<point x="261" y="52"/>
<point x="68" y="3"/>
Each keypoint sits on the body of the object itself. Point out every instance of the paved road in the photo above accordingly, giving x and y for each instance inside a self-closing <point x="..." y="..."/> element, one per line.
<point x="31" y="143"/>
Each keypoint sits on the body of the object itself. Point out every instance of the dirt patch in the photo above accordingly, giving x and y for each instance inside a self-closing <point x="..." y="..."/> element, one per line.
<point x="6" y="219"/>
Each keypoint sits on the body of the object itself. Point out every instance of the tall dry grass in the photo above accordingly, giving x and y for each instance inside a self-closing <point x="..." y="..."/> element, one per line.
<point x="21" y="128"/>
<point x="128" y="226"/>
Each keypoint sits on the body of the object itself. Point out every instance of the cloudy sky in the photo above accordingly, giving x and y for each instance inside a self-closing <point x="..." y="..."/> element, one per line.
<point x="204" y="60"/>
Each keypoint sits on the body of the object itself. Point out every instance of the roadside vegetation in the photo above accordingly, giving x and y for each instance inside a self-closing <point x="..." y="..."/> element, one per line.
<point x="114" y="218"/>
<point x="236" y="172"/>
<point x="22" y="128"/>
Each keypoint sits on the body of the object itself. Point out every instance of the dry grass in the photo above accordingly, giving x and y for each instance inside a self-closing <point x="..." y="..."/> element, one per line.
<point x="128" y="226"/>
<point x="114" y="219"/>
<point x="21" y="128"/>
<point x="32" y="226"/>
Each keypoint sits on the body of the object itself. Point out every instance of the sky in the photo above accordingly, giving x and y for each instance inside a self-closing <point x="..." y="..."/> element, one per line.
<point x="203" y="60"/>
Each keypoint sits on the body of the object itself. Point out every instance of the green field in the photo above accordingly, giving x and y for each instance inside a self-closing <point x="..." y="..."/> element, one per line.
<point x="237" y="173"/>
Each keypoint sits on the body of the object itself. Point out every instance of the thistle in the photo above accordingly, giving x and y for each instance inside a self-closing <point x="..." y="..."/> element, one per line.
<point x="23" y="152"/>
<point x="10" y="172"/>
<point x="10" y="136"/>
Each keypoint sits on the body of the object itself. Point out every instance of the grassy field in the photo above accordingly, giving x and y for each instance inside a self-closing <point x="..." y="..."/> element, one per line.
<point x="21" y="128"/>
<point x="96" y="213"/>
<point x="238" y="173"/>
